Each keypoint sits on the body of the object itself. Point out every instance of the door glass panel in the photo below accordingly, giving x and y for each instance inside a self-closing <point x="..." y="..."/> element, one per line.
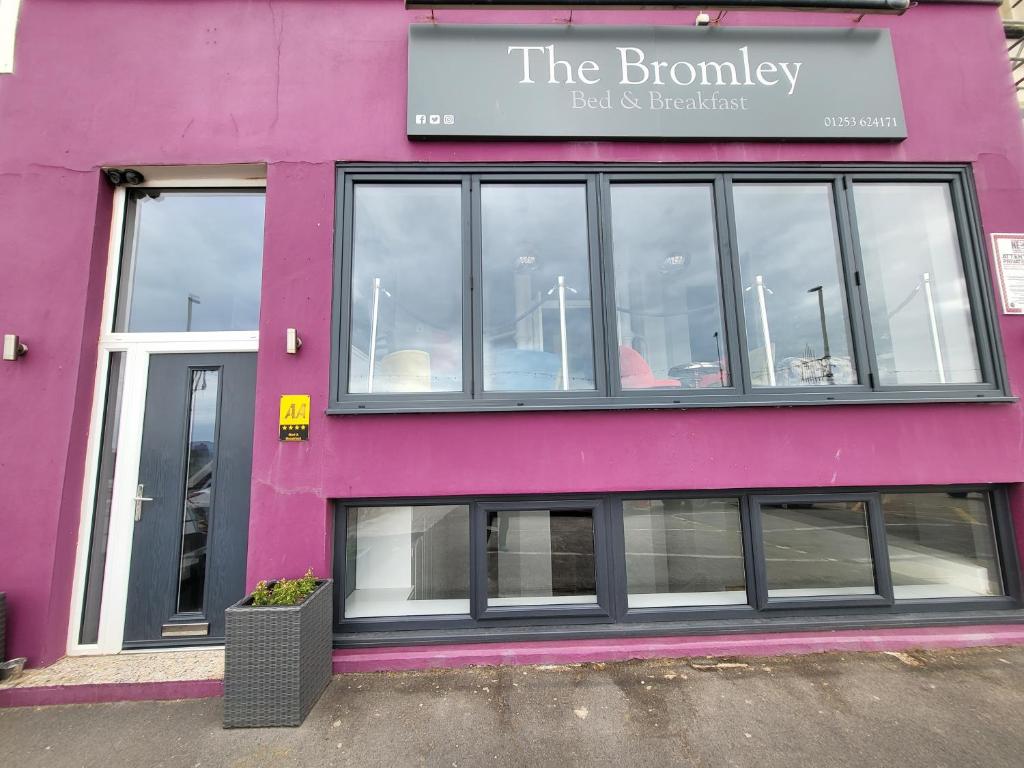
<point x="941" y="545"/>
<point x="407" y="277"/>
<point x="815" y="549"/>
<point x="407" y="561"/>
<point x="202" y="453"/>
<point x="667" y="302"/>
<point x="794" y="302"/>
<point x="193" y="262"/>
<point x="538" y="330"/>
<point x="920" y="311"/>
<point x="89" y="631"/>
<point x="683" y="552"/>
<point x="540" y="557"/>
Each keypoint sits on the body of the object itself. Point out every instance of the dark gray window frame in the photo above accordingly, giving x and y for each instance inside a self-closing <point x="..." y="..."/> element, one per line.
<point x="610" y="564"/>
<point x="609" y="394"/>
<point x="876" y="540"/>
<point x="596" y="508"/>
<point x="480" y="615"/>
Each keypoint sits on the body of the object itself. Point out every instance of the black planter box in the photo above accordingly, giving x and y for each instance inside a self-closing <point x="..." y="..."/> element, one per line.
<point x="277" y="660"/>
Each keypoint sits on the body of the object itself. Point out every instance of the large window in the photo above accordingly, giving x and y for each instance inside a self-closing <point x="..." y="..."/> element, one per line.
<point x="406" y="331"/>
<point x="920" y="308"/>
<point x="668" y="304"/>
<point x="540" y="557"/>
<point x="794" y="297"/>
<point x="407" y="560"/>
<point x="194" y="261"/>
<point x="941" y="544"/>
<point x="683" y="552"/>
<point x="494" y="562"/>
<point x="509" y="288"/>
<point x="537" y="322"/>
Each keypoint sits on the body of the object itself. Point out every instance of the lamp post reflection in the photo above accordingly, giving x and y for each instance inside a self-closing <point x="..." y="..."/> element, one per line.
<point x="766" y="332"/>
<point x="827" y="356"/>
<point x="192" y="299"/>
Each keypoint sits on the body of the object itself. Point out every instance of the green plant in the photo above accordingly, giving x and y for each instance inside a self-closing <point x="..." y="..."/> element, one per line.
<point x="284" y="591"/>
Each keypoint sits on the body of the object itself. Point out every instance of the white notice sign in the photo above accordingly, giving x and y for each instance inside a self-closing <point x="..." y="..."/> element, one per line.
<point x="1009" y="253"/>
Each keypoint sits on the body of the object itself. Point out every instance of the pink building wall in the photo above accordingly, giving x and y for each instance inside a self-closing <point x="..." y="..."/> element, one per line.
<point x="302" y="84"/>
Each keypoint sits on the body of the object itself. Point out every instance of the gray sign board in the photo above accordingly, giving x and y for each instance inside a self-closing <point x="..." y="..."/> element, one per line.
<point x="533" y="81"/>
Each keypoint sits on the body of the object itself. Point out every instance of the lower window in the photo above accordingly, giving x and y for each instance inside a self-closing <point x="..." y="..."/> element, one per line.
<point x="941" y="545"/>
<point x="540" y="557"/>
<point x="407" y="561"/>
<point x="462" y="563"/>
<point x="683" y="552"/>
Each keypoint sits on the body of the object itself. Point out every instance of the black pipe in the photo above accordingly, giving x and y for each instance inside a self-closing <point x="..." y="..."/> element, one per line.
<point x="860" y="6"/>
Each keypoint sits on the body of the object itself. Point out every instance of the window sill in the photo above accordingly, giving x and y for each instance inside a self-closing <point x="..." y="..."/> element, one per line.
<point x="737" y="626"/>
<point x="782" y="400"/>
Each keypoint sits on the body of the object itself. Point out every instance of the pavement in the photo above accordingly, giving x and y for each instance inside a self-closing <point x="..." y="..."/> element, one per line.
<point x="924" y="708"/>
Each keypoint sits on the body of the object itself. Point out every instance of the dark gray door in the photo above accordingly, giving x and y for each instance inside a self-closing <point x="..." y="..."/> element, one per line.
<point x="192" y="512"/>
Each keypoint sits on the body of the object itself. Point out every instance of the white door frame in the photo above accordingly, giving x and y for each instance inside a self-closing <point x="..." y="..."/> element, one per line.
<point x="137" y="347"/>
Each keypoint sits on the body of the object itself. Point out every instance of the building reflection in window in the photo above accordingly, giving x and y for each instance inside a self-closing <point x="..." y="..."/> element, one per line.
<point x="794" y="301"/>
<point x="537" y="317"/>
<point x="407" y="270"/>
<point x="667" y="301"/>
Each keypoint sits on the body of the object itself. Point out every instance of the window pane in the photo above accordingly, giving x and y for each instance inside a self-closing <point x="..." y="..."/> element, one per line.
<point x="817" y="548"/>
<point x="917" y="295"/>
<point x="103" y="501"/>
<point x="406" y="289"/>
<point x="684" y="552"/>
<point x="537" y="323"/>
<point x="667" y="300"/>
<point x="540" y="557"/>
<point x="407" y="561"/>
<point x="794" y="302"/>
<point x="201" y="460"/>
<point x="941" y="545"/>
<point x="196" y="261"/>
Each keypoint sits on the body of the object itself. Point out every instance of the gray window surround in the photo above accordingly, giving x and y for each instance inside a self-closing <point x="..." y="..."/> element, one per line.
<point x="610" y="395"/>
<point x="612" y="610"/>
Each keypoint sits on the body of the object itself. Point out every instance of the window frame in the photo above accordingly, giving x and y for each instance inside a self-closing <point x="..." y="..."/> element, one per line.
<point x="343" y="304"/>
<point x="609" y="394"/>
<point x="610" y="571"/>
<point x="480" y="615"/>
<point x="478" y="181"/>
<point x="667" y="613"/>
<point x="876" y="543"/>
<point x="977" y="277"/>
<point x="844" y="237"/>
<point x="596" y="507"/>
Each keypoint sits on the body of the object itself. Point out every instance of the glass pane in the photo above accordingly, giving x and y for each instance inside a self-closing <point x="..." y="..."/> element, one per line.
<point x="537" y="323"/>
<point x="816" y="549"/>
<point x="196" y="262"/>
<point x="406" y="289"/>
<point x="89" y="630"/>
<point x="684" y="552"/>
<point x="540" y="557"/>
<point x="202" y="455"/>
<point x="941" y="545"/>
<point x="917" y="295"/>
<point x="667" y="301"/>
<point x="794" y="302"/>
<point x="407" y="561"/>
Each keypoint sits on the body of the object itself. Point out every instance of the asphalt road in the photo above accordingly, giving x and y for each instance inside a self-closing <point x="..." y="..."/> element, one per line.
<point x="949" y="708"/>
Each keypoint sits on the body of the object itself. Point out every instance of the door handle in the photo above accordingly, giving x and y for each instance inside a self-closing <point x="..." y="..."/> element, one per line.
<point x="139" y="498"/>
